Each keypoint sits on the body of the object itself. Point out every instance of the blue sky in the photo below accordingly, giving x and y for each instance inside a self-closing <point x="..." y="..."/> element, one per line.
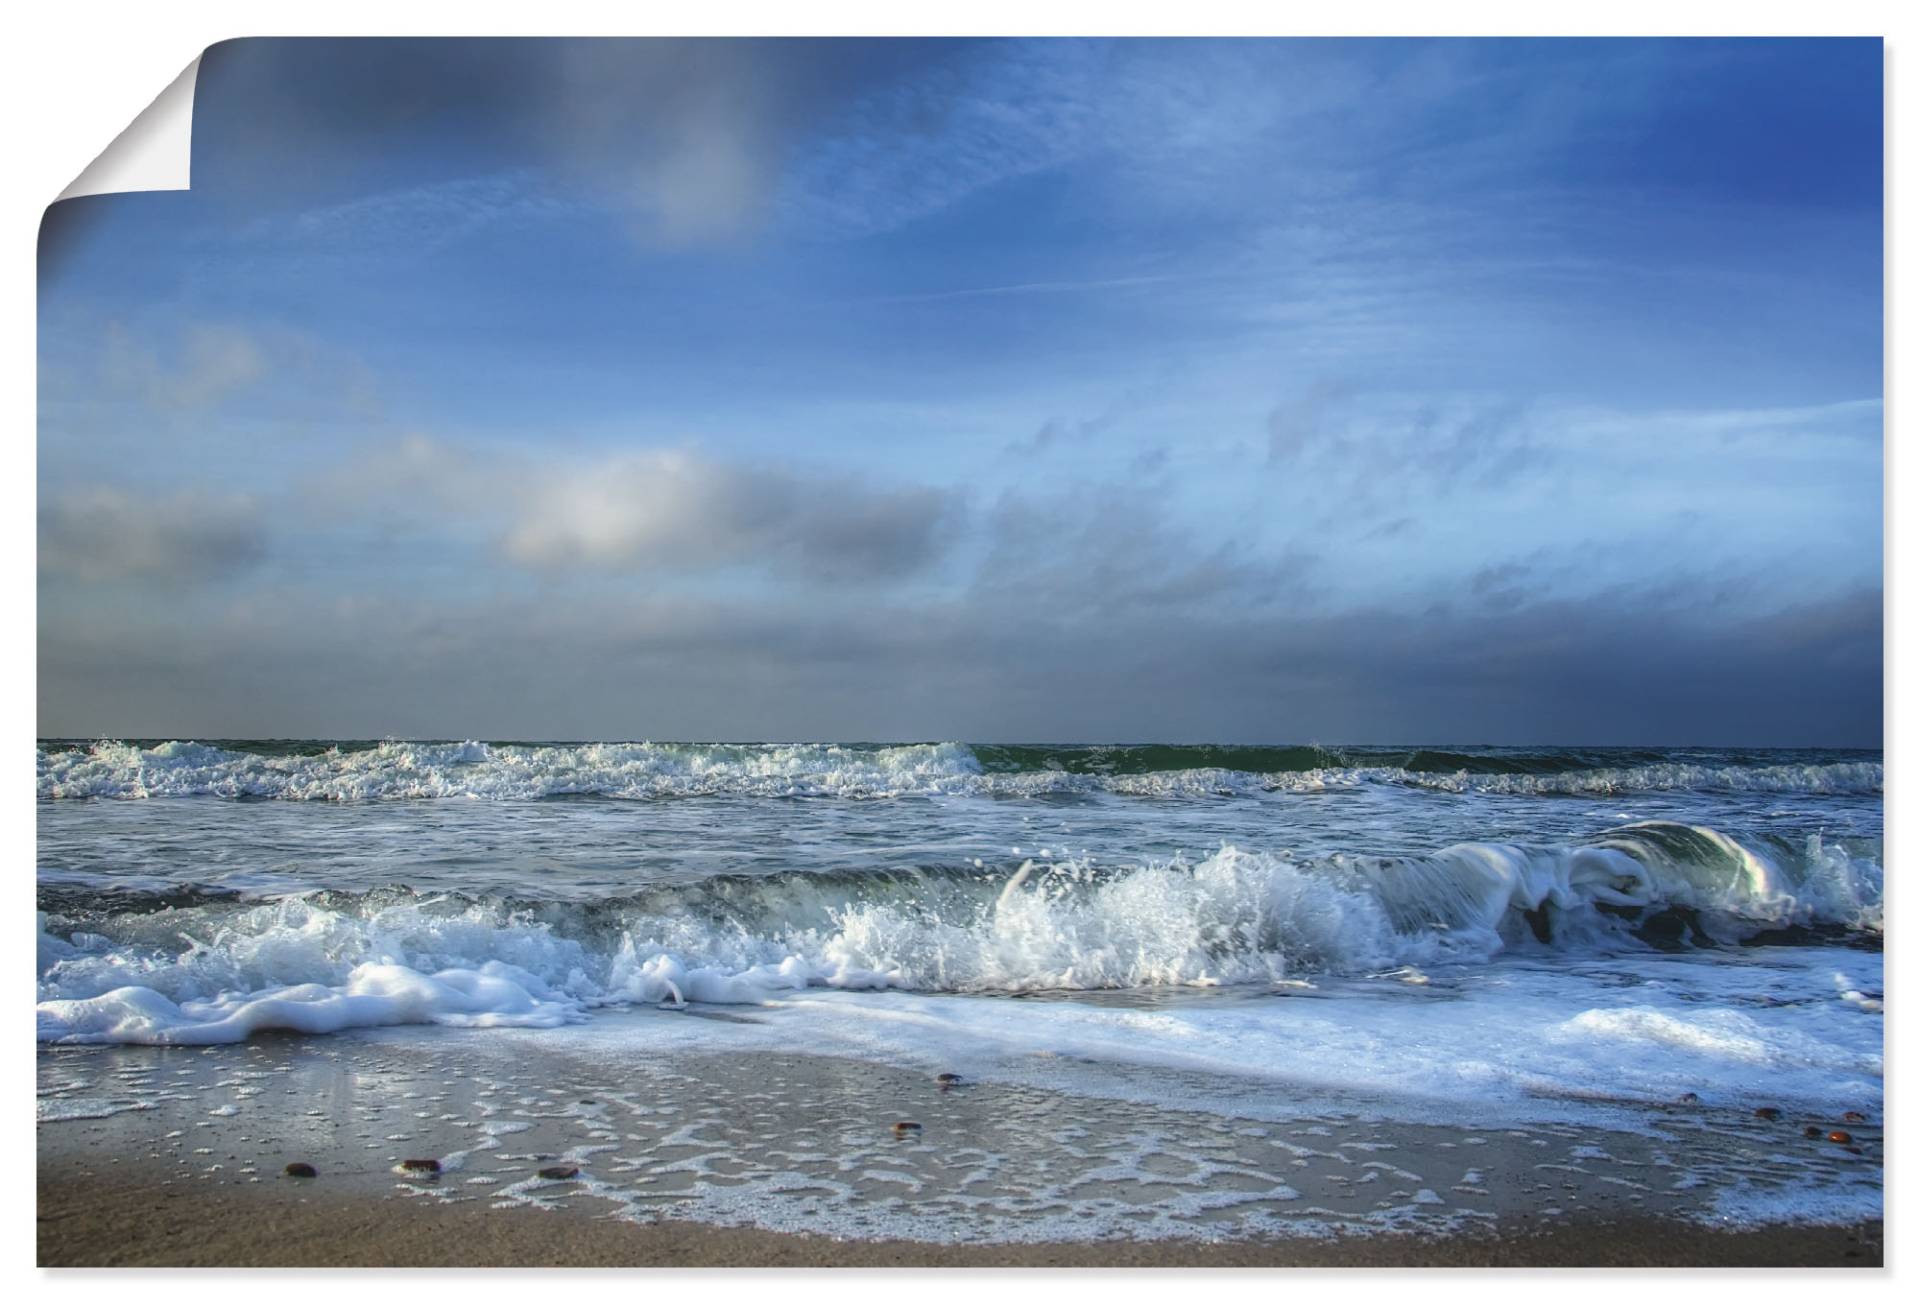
<point x="1342" y="390"/>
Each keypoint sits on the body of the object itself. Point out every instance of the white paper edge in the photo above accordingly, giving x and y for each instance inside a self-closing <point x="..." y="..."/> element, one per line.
<point x="155" y="152"/>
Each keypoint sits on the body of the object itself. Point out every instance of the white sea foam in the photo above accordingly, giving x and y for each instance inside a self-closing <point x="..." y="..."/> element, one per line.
<point x="393" y="771"/>
<point x="372" y="995"/>
<point x="318" y="963"/>
<point x="1539" y="1043"/>
<point x="71" y="1109"/>
<point x="1728" y="1035"/>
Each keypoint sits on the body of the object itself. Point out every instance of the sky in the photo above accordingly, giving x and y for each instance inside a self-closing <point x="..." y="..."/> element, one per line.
<point x="1372" y="390"/>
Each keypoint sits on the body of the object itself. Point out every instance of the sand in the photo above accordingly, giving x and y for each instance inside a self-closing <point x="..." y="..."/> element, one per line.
<point x="120" y="1222"/>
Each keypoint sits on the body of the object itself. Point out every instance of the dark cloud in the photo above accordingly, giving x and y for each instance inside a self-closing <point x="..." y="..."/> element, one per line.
<point x="1088" y="612"/>
<point x="987" y="667"/>
<point x="105" y="534"/>
<point x="686" y="136"/>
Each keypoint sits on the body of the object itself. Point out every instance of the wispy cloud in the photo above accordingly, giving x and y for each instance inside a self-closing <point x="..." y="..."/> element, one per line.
<point x="1111" y="551"/>
<point x="1030" y="287"/>
<point x="414" y="220"/>
<point x="1389" y="452"/>
<point x="203" y="365"/>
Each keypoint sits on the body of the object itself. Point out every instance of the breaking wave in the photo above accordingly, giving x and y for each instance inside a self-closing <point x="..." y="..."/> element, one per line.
<point x="184" y="969"/>
<point x="393" y="771"/>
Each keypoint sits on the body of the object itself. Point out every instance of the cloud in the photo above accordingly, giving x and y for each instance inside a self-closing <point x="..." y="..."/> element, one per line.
<point x="1428" y="446"/>
<point x="908" y="148"/>
<point x="1059" y="433"/>
<point x="674" y="509"/>
<point x="662" y="511"/>
<point x="1500" y="587"/>
<point x="414" y="220"/>
<point x="686" y="139"/>
<point x="104" y="534"/>
<point x="1617" y="669"/>
<point x="1054" y="431"/>
<point x="204" y="365"/>
<point x="1101" y="551"/>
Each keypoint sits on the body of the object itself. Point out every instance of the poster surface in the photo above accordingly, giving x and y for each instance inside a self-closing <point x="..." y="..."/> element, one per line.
<point x="954" y="652"/>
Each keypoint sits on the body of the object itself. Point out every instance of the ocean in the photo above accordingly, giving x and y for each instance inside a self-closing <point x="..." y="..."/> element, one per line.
<point x="1424" y="935"/>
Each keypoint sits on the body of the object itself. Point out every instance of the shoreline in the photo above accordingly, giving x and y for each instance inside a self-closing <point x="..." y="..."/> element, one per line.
<point x="538" y="1150"/>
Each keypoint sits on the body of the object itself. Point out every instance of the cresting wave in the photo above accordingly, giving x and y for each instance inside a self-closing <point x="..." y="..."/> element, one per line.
<point x="217" y="969"/>
<point x="392" y="771"/>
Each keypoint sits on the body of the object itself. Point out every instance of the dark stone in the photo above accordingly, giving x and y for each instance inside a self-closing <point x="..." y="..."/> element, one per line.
<point x="1689" y="1097"/>
<point x="1810" y="1132"/>
<point x="1537" y="921"/>
<point x="420" y="1165"/>
<point x="301" y="1170"/>
<point x="560" y="1173"/>
<point x="1675" y="928"/>
<point x="1853" y="1116"/>
<point x="1767" y="1112"/>
<point x="905" y="1129"/>
<point x="948" y="1079"/>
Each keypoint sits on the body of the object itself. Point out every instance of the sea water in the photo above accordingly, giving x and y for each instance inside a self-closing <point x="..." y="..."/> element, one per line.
<point x="1463" y="933"/>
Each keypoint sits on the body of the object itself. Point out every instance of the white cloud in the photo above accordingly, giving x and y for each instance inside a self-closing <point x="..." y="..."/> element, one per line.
<point x="662" y="509"/>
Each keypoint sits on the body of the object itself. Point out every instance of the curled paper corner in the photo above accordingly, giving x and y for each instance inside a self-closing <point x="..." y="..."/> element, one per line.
<point x="155" y="152"/>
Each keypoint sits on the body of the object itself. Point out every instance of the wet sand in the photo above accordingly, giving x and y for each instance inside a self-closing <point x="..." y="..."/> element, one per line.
<point x="176" y="1156"/>
<point x="122" y="1222"/>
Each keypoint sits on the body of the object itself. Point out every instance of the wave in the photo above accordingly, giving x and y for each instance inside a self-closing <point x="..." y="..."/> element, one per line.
<point x="393" y="771"/>
<point x="113" y="968"/>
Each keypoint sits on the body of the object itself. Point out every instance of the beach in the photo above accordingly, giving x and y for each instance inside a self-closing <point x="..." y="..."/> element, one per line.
<point x="179" y="1156"/>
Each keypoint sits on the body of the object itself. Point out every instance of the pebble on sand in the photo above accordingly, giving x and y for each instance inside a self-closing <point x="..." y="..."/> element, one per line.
<point x="1840" y="1138"/>
<point x="419" y="1165"/>
<point x="948" y="1079"/>
<point x="1767" y="1112"/>
<point x="301" y="1170"/>
<point x="560" y="1173"/>
<point x="1689" y="1097"/>
<point x="1853" y="1116"/>
<point x="906" y="1129"/>
<point x="1810" y="1132"/>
